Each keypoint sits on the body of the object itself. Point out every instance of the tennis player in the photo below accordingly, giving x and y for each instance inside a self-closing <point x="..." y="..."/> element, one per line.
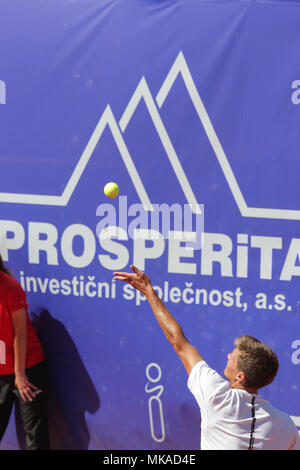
<point x="234" y="416"/>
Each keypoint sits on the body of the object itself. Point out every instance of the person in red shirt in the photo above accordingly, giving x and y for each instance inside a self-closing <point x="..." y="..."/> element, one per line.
<point x="22" y="365"/>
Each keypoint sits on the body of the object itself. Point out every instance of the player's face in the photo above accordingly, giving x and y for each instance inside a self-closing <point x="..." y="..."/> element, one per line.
<point x="231" y="368"/>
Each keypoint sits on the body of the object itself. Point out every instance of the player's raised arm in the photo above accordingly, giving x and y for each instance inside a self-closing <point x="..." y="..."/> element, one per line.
<point x="186" y="352"/>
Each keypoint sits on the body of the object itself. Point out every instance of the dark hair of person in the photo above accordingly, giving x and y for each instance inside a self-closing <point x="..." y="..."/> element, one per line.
<point x="3" y="268"/>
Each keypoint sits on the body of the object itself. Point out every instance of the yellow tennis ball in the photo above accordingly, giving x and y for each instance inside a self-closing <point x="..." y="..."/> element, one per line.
<point x="111" y="189"/>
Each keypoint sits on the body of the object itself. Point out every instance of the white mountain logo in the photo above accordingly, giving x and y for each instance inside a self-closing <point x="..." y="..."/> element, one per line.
<point x="107" y="118"/>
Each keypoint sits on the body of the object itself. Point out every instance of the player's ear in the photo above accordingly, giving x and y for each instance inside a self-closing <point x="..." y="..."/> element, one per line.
<point x="241" y="378"/>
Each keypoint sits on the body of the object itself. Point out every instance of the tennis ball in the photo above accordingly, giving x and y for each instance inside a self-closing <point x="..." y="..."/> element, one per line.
<point x="111" y="189"/>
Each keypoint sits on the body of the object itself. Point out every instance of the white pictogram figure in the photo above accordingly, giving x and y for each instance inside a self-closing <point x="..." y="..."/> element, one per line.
<point x="2" y="352"/>
<point x="157" y="425"/>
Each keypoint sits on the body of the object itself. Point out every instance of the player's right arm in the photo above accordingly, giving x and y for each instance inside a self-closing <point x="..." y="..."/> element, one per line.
<point x="186" y="352"/>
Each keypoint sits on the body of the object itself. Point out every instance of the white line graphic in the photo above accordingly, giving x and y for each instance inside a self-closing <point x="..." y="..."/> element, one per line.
<point x="107" y="118"/>
<point x="2" y="92"/>
<point x="142" y="91"/>
<point x="180" y="67"/>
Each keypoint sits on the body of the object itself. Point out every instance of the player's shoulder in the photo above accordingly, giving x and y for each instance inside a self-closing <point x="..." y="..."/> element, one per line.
<point x="279" y="415"/>
<point x="198" y="367"/>
<point x="204" y="373"/>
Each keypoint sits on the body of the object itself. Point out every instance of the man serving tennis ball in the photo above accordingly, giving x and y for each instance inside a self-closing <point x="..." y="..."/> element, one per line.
<point x="234" y="416"/>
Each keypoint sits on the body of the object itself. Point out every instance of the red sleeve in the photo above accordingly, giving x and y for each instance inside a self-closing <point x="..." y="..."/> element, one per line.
<point x="16" y="298"/>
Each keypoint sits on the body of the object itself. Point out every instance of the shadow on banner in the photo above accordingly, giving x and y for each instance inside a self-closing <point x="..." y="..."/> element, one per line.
<point x="71" y="392"/>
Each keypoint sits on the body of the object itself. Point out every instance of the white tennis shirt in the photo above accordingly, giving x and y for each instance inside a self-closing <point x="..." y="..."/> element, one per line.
<point x="227" y="416"/>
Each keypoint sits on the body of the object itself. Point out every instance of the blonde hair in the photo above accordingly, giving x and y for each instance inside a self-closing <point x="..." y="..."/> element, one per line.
<point x="257" y="361"/>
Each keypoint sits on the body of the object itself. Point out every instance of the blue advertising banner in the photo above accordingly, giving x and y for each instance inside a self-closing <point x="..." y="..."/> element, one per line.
<point x="193" y="109"/>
